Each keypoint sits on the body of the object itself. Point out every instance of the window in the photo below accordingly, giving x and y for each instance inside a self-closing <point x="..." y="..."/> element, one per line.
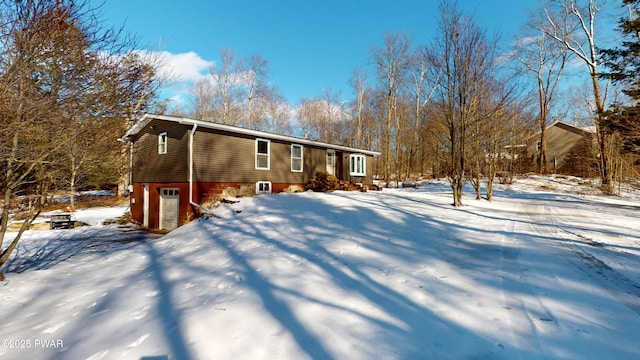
<point x="262" y="154"/>
<point x="331" y="162"/>
<point x="263" y="187"/>
<point x="538" y="145"/>
<point x="357" y="165"/>
<point x="296" y="158"/>
<point x="162" y="143"/>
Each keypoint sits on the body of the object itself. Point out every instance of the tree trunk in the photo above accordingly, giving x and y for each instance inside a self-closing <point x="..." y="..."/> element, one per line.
<point x="72" y="186"/>
<point x="4" y="218"/>
<point x="4" y="255"/>
<point x="456" y="185"/>
<point x="602" y="139"/>
<point x="387" y="156"/>
<point x="543" y="166"/>
<point x="475" y="181"/>
<point x="6" y="206"/>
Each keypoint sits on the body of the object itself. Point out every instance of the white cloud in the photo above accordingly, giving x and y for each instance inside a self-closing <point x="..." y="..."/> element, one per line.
<point x="181" y="70"/>
<point x="184" y="67"/>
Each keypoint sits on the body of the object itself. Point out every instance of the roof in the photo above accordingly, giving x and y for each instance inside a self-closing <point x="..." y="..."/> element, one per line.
<point x="568" y="127"/>
<point x="147" y="118"/>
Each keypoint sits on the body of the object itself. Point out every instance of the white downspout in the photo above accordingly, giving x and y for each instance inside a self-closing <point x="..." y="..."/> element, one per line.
<point x="130" y="185"/>
<point x="193" y="131"/>
<point x="191" y="202"/>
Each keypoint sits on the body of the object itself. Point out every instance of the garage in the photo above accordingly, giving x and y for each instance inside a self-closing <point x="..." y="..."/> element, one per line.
<point x="169" y="206"/>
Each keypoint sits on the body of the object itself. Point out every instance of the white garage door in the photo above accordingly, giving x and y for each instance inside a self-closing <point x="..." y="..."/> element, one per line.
<point x="169" y="205"/>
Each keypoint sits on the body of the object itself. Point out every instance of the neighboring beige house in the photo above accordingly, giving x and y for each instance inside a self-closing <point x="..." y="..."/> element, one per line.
<point x="177" y="164"/>
<point x="570" y="149"/>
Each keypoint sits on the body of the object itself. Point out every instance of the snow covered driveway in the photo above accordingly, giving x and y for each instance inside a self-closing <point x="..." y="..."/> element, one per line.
<point x="397" y="274"/>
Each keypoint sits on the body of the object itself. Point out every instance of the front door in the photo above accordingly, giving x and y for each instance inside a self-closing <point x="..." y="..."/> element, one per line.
<point x="339" y="173"/>
<point x="169" y="206"/>
<point x="331" y="162"/>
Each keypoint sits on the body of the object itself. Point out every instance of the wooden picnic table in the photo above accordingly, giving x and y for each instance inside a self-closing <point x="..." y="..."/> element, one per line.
<point x="61" y="221"/>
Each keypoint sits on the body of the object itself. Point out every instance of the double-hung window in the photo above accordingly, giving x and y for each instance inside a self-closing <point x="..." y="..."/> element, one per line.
<point x="162" y="143"/>
<point x="296" y="158"/>
<point x="358" y="165"/>
<point x="262" y="154"/>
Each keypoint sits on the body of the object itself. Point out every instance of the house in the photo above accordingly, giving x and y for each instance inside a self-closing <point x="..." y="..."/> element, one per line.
<point x="570" y="149"/>
<point x="177" y="164"/>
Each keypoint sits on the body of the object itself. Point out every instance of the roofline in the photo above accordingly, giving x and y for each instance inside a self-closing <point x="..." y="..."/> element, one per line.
<point x="584" y="130"/>
<point x="146" y="119"/>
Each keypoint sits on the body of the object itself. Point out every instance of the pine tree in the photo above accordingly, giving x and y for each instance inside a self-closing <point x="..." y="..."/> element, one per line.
<point x="623" y="63"/>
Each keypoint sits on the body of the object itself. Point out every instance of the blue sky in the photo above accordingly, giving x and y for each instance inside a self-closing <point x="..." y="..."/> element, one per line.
<point x="311" y="45"/>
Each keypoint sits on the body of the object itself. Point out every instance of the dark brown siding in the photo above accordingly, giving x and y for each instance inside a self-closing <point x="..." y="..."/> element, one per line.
<point x="315" y="160"/>
<point x="149" y="166"/>
<point x="223" y="157"/>
<point x="215" y="157"/>
<point x="226" y="157"/>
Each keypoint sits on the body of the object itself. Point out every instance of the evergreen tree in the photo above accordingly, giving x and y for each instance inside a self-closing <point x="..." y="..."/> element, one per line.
<point x="623" y="63"/>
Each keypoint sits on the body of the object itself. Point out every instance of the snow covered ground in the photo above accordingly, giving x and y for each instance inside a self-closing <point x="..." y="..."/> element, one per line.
<point x="546" y="270"/>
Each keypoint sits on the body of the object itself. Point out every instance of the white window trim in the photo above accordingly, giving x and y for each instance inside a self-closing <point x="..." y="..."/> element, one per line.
<point x="301" y="158"/>
<point x="354" y="160"/>
<point x="162" y="144"/>
<point x="268" y="154"/>
<point x="258" y="191"/>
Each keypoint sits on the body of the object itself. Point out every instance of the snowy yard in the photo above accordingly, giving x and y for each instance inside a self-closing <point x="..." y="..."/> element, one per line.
<point x="540" y="272"/>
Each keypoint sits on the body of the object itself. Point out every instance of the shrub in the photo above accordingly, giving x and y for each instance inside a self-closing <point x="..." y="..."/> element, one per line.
<point x="322" y="182"/>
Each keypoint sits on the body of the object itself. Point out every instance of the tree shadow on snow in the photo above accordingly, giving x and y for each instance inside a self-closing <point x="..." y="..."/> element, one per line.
<point x="43" y="254"/>
<point x="491" y="265"/>
<point x="350" y="276"/>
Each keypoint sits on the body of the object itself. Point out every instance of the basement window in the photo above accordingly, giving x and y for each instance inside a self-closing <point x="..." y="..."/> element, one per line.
<point x="162" y="143"/>
<point x="263" y="187"/>
<point x="358" y="165"/>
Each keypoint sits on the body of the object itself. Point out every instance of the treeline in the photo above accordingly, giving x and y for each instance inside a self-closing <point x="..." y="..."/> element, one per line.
<point x="450" y="108"/>
<point x="68" y="87"/>
<point x="460" y="106"/>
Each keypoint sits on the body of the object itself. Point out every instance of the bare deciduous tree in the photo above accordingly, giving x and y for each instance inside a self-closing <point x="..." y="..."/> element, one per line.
<point x="464" y="58"/>
<point x="572" y="23"/>
<point x="226" y="79"/>
<point x="253" y="74"/>
<point x="391" y="62"/>
<point x="423" y="89"/>
<point x="359" y="84"/>
<point x="542" y="57"/>
<point x="54" y="80"/>
<point x="276" y="112"/>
